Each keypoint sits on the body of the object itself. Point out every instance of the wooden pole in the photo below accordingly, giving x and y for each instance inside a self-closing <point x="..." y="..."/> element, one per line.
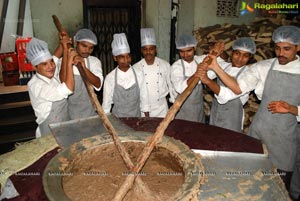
<point x="108" y="125"/>
<point x="128" y="183"/>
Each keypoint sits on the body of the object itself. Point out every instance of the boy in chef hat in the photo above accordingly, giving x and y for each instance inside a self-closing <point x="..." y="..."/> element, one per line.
<point x="47" y="94"/>
<point x="124" y="87"/>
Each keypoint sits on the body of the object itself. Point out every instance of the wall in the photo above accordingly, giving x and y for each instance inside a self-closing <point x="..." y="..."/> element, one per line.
<point x="11" y="21"/>
<point x="186" y="18"/>
<point x="69" y="12"/>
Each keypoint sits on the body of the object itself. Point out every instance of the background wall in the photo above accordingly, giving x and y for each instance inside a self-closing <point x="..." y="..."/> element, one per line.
<point x="192" y="14"/>
<point x="69" y="12"/>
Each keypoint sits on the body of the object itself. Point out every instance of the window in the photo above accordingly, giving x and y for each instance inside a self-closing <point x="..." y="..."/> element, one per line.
<point x="227" y="8"/>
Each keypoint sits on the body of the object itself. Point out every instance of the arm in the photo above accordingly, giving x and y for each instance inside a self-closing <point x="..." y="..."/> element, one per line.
<point x="93" y="79"/>
<point x="62" y="51"/>
<point x="206" y="80"/>
<point x="229" y="81"/>
<point x="94" y="72"/>
<point x="71" y="59"/>
<point x="177" y="78"/>
<point x="59" y="49"/>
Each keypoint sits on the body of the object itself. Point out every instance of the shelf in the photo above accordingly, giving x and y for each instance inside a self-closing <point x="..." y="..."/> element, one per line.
<point x="15" y="105"/>
<point x="12" y="89"/>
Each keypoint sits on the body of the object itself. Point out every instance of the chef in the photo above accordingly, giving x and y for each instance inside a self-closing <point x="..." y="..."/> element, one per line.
<point x="124" y="87"/>
<point x="230" y="115"/>
<point x="276" y="82"/>
<point x="79" y="103"/>
<point x="156" y="73"/>
<point x="47" y="94"/>
<point x="183" y="71"/>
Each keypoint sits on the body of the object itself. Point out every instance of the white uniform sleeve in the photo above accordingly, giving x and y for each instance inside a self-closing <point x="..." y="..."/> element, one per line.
<point x="226" y="95"/>
<point x="51" y="92"/>
<point x="250" y="80"/>
<point x="108" y="92"/>
<point x="96" y="69"/>
<point x="57" y="62"/>
<point x="177" y="77"/>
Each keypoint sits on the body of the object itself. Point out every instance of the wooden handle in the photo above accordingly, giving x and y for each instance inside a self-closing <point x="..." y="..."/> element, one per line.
<point x="57" y="23"/>
<point x="128" y="183"/>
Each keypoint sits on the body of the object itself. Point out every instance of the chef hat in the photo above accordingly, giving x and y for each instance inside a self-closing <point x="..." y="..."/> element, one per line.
<point x="85" y="35"/>
<point x="37" y="51"/>
<point x="289" y="34"/>
<point x="119" y="44"/>
<point x="246" y="44"/>
<point x="147" y="37"/>
<point x="185" y="41"/>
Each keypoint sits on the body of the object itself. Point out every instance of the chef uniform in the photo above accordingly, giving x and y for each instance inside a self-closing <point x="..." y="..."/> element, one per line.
<point x="79" y="103"/>
<point x="126" y="91"/>
<point x="192" y="109"/>
<point x="157" y="78"/>
<point x="230" y="115"/>
<point x="48" y="96"/>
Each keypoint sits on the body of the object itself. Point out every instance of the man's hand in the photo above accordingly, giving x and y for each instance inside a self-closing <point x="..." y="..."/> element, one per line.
<point x="202" y="71"/>
<point x="65" y="41"/>
<point x="214" y="64"/>
<point x="279" y="107"/>
<point x="63" y="34"/>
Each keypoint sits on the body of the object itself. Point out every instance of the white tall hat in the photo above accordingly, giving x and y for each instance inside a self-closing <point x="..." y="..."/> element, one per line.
<point x="37" y="51"/>
<point x="147" y="37"/>
<point x="119" y="44"/>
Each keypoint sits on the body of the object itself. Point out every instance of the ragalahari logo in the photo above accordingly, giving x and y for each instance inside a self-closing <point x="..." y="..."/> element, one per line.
<point x="245" y="8"/>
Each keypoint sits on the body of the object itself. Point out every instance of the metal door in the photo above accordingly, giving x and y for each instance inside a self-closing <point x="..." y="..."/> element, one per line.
<point x="105" y="18"/>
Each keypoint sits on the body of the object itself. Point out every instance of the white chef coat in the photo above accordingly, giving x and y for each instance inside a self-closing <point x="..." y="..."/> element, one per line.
<point x="254" y="77"/>
<point x="126" y="80"/>
<point x="94" y="66"/>
<point x="158" y="82"/>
